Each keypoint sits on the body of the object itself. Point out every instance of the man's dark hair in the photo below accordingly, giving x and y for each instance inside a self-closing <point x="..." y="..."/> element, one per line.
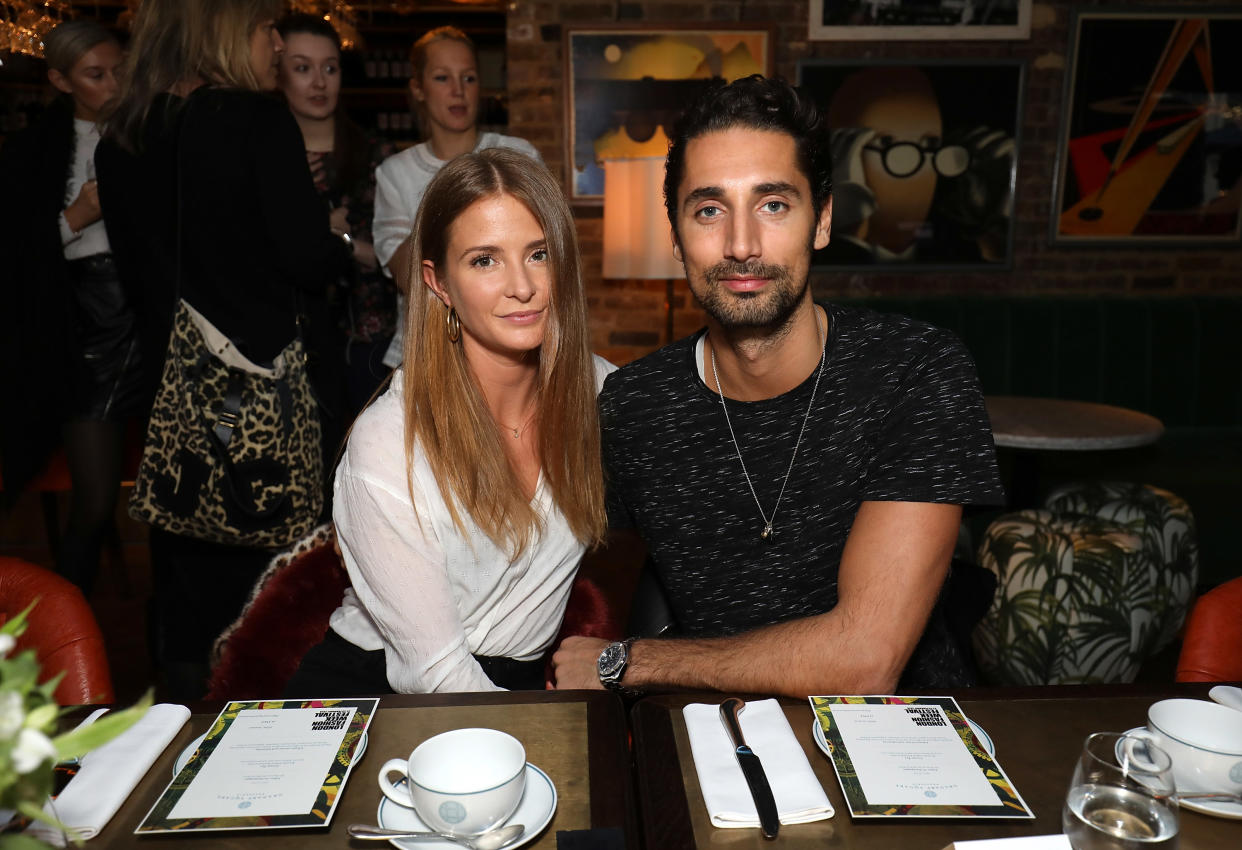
<point x="757" y="103"/>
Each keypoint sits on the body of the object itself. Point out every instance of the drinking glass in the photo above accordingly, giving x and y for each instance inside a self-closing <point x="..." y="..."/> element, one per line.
<point x="1121" y="796"/>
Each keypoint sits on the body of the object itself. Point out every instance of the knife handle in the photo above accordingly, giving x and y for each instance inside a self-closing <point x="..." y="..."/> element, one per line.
<point x="729" y="710"/>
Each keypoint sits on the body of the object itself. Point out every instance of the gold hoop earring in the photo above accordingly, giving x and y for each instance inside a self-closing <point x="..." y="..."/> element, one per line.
<point x="453" y="325"/>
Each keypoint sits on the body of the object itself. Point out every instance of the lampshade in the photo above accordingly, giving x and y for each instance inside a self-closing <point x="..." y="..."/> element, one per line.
<point x="637" y="242"/>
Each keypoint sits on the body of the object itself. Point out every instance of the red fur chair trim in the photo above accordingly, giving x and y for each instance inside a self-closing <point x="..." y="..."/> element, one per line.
<point x="286" y="615"/>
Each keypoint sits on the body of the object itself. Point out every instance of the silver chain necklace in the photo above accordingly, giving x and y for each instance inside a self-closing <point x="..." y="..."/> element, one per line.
<point x="766" y="534"/>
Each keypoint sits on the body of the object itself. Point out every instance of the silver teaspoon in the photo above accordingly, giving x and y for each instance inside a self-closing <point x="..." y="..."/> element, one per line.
<point x="491" y="840"/>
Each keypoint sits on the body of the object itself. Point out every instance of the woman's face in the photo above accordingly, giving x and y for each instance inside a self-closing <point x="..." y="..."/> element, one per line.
<point x="449" y="86"/>
<point x="265" y="47"/>
<point x="496" y="274"/>
<point x="310" y="75"/>
<point x="91" y="82"/>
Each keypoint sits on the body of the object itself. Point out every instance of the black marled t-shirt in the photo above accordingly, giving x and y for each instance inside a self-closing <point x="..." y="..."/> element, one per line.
<point x="898" y="416"/>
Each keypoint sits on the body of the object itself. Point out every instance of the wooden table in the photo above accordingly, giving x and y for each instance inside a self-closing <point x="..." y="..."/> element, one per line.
<point x="577" y="737"/>
<point x="1038" y="734"/>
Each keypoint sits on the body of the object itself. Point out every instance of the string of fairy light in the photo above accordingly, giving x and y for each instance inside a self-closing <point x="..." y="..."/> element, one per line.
<point x="24" y="23"/>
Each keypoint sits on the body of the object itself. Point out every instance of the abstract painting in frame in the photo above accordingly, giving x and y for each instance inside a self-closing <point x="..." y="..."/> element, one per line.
<point x="1150" y="151"/>
<point x="924" y="165"/>
<point x="627" y="85"/>
<point x="918" y="20"/>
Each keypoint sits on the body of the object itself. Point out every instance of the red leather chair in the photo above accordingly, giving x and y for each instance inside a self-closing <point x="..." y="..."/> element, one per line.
<point x="1212" y="645"/>
<point x="61" y="629"/>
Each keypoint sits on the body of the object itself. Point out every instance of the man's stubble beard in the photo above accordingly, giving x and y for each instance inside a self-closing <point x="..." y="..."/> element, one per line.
<point x="769" y="309"/>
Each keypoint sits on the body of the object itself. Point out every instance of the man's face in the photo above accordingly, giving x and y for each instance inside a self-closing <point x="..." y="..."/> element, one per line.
<point x="746" y="226"/>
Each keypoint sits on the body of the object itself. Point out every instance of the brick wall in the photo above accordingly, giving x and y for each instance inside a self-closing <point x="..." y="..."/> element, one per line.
<point x="629" y="317"/>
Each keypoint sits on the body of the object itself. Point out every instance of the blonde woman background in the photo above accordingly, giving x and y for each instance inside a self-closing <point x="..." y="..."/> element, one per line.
<point x="469" y="491"/>
<point x="255" y="250"/>
<point x="445" y="87"/>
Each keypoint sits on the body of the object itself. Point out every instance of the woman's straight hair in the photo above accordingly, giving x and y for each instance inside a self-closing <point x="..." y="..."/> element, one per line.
<point x="69" y="41"/>
<point x="445" y="412"/>
<point x="183" y="43"/>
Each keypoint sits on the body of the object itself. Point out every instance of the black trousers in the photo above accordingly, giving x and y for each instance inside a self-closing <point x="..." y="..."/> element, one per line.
<point x="337" y="668"/>
<point x="200" y="588"/>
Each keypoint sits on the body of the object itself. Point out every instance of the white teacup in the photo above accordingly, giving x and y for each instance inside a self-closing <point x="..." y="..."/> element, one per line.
<point x="1203" y="739"/>
<point x="462" y="782"/>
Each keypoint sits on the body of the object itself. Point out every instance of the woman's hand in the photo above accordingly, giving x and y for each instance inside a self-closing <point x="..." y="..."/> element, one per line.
<point x="85" y="209"/>
<point x="339" y="220"/>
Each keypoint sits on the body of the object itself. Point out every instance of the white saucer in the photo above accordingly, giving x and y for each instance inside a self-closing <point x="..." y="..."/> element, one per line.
<point x="984" y="739"/>
<point x="184" y="757"/>
<point x="535" y="811"/>
<point x="1232" y="811"/>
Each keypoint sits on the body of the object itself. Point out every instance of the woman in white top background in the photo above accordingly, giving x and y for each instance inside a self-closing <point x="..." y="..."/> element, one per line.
<point x="445" y="87"/>
<point x="469" y="491"/>
<point x="70" y="359"/>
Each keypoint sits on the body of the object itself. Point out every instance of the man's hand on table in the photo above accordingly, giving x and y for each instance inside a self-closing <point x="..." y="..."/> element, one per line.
<point x="575" y="663"/>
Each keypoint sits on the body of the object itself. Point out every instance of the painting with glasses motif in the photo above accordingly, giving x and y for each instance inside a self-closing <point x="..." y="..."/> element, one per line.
<point x="1151" y="142"/>
<point x="924" y="161"/>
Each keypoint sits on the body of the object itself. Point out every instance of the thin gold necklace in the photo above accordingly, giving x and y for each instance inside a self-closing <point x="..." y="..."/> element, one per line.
<point x="517" y="432"/>
<point x="767" y="532"/>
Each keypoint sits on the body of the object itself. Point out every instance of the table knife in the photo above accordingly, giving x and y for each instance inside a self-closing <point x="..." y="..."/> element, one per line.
<point x="752" y="768"/>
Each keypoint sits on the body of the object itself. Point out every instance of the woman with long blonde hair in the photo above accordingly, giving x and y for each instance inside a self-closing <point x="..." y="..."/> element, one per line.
<point x="469" y="491"/>
<point x="206" y="187"/>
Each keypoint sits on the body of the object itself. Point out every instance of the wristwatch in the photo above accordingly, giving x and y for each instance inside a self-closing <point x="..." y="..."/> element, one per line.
<point x="611" y="666"/>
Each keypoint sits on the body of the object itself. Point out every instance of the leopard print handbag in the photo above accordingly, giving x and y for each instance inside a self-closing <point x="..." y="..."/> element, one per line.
<point x="232" y="450"/>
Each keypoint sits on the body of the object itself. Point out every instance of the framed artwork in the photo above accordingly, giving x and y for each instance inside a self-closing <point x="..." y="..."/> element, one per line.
<point x="627" y="85"/>
<point x="921" y="20"/>
<point x="1150" y="148"/>
<point x="924" y="164"/>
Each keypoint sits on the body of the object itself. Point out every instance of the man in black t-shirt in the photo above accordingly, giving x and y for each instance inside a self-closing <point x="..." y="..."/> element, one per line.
<point x="796" y="470"/>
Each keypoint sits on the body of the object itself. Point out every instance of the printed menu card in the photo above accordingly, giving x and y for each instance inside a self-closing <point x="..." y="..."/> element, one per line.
<point x="270" y="764"/>
<point x="912" y="757"/>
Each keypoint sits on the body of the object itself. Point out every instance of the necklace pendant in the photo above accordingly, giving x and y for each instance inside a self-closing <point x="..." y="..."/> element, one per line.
<point x="767" y="532"/>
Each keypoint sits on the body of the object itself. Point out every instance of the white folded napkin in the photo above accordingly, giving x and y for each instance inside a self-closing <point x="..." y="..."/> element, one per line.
<point x="1025" y="842"/>
<point x="109" y="773"/>
<point x="799" y="796"/>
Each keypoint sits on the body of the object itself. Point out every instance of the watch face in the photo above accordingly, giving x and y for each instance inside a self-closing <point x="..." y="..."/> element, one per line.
<point x="611" y="660"/>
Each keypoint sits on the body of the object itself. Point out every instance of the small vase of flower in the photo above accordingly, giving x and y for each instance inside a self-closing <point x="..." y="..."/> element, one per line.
<point x="29" y="745"/>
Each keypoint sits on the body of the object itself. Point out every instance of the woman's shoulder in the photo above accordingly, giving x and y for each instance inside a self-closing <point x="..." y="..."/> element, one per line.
<point x="498" y="140"/>
<point x="230" y="109"/>
<point x="603" y="368"/>
<point x="376" y="445"/>
<point x="410" y="161"/>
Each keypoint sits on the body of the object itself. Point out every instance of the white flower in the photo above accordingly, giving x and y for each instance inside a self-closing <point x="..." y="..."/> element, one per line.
<point x="11" y="715"/>
<point x="7" y="642"/>
<point x="33" y="748"/>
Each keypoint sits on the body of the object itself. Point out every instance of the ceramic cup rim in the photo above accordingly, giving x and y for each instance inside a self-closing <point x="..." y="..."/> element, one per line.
<point x="1181" y="739"/>
<point x="423" y="785"/>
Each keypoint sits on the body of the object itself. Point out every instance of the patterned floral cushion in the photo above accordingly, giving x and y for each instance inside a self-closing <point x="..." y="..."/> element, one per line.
<point x="1077" y="600"/>
<point x="1167" y="527"/>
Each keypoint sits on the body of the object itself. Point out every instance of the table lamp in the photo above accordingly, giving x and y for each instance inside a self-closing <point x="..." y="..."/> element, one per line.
<point x="637" y="239"/>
